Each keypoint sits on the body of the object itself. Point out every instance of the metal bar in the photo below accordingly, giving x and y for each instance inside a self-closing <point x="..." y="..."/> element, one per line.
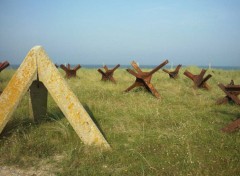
<point x="118" y="65"/>
<point x="102" y="72"/>
<point x="189" y="75"/>
<point x="158" y="67"/>
<point x="4" y="65"/>
<point x="77" y="67"/>
<point x="105" y="68"/>
<point x="133" y="73"/>
<point x="136" y="67"/>
<point x="233" y="97"/>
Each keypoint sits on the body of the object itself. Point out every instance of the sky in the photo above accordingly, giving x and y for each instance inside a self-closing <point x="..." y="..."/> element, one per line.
<point x="188" y="32"/>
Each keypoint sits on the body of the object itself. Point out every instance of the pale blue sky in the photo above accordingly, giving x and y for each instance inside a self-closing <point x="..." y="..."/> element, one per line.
<point x="189" y="32"/>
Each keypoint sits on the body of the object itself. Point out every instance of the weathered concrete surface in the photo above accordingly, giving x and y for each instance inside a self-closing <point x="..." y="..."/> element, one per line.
<point x="17" y="87"/>
<point x="68" y="102"/>
<point x="59" y="90"/>
<point x="38" y="101"/>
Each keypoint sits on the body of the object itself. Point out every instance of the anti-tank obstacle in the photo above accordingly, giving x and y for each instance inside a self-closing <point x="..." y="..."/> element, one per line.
<point x="4" y="65"/>
<point x="173" y="74"/>
<point x="232" y="91"/>
<point x="38" y="73"/>
<point x="198" y="80"/>
<point x="108" y="74"/>
<point x="144" y="78"/>
<point x="69" y="71"/>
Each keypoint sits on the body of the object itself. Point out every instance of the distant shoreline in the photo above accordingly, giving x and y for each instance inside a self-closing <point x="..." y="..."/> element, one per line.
<point x="15" y="66"/>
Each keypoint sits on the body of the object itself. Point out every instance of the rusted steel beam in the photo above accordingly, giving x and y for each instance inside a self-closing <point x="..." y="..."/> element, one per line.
<point x="199" y="80"/>
<point x="173" y="74"/>
<point x="158" y="67"/>
<point x="108" y="74"/>
<point x="105" y="68"/>
<point x="232" y="126"/>
<point x="116" y="67"/>
<point x="232" y="88"/>
<point x="136" y="67"/>
<point x="232" y="91"/>
<point x="189" y="75"/>
<point x="70" y="72"/>
<point x="144" y="78"/>
<point x="133" y="73"/>
<point x="4" y="65"/>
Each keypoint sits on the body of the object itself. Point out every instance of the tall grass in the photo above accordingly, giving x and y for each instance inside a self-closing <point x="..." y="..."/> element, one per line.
<point x="176" y="135"/>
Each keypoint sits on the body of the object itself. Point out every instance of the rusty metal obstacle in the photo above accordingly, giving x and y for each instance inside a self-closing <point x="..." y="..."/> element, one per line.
<point x="70" y="72"/>
<point x="38" y="73"/>
<point x="4" y="65"/>
<point x="108" y="74"/>
<point x="198" y="80"/>
<point x="232" y="91"/>
<point x="173" y="74"/>
<point x="233" y="126"/>
<point x="144" y="78"/>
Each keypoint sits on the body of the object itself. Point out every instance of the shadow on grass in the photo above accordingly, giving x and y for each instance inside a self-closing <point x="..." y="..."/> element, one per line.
<point x="16" y="125"/>
<point x="232" y="114"/>
<point x="24" y="124"/>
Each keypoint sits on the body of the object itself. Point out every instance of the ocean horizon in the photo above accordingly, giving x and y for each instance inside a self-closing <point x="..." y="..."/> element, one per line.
<point x="95" y="66"/>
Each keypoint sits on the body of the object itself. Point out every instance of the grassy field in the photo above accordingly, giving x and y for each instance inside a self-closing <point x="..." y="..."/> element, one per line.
<point x="178" y="134"/>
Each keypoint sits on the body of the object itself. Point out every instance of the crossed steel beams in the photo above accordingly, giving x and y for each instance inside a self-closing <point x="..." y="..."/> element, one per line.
<point x="108" y="74"/>
<point x="232" y="91"/>
<point x="173" y="74"/>
<point x="198" y="80"/>
<point x="144" y="78"/>
<point x="70" y="72"/>
<point x="4" y="65"/>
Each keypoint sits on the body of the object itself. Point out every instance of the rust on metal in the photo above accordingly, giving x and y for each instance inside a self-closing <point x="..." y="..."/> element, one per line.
<point x="108" y="74"/>
<point x="70" y="72"/>
<point x="199" y="81"/>
<point x="173" y="74"/>
<point x="144" y="78"/>
<point x="232" y="91"/>
<point x="233" y="126"/>
<point x="4" y="65"/>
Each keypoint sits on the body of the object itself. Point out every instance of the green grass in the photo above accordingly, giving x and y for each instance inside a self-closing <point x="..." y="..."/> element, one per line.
<point x="176" y="135"/>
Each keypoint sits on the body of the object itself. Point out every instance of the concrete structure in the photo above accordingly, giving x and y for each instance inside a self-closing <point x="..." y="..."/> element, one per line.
<point x="38" y="66"/>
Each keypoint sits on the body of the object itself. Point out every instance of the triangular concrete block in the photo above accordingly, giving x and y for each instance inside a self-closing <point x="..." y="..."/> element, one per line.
<point x="38" y="65"/>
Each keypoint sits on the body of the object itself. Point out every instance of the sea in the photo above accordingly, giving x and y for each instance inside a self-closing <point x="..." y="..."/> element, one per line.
<point x="12" y="66"/>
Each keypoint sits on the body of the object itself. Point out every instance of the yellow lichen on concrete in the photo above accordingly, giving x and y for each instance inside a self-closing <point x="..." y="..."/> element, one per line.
<point x="37" y="61"/>
<point x="68" y="102"/>
<point x="16" y="88"/>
